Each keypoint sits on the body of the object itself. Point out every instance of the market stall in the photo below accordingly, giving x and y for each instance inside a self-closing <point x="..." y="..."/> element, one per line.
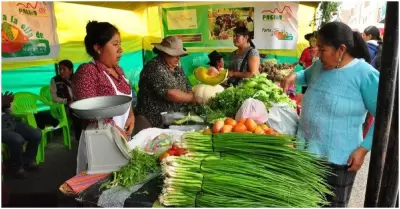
<point x="226" y="134"/>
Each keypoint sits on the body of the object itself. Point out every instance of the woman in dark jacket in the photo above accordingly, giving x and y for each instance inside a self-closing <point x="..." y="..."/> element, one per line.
<point x="61" y="91"/>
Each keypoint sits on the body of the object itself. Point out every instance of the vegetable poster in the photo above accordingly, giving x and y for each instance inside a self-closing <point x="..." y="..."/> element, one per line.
<point x="28" y="31"/>
<point x="272" y="25"/>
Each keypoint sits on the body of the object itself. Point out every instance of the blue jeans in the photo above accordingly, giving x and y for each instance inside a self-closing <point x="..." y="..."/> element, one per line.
<point x="15" y="140"/>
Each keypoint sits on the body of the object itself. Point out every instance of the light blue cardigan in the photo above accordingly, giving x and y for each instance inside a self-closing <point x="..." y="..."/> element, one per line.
<point x="334" y="109"/>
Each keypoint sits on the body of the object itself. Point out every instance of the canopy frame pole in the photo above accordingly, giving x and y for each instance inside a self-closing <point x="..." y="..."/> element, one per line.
<point x="385" y="106"/>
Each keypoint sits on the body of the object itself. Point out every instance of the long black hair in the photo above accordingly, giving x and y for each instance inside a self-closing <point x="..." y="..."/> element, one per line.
<point x="245" y="32"/>
<point x="337" y="33"/>
<point x="374" y="32"/>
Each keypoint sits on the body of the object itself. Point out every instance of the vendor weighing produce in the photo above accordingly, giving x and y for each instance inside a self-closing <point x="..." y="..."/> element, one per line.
<point x="163" y="86"/>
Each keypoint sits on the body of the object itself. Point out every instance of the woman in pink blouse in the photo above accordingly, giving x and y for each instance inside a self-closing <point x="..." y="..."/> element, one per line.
<point x="102" y="77"/>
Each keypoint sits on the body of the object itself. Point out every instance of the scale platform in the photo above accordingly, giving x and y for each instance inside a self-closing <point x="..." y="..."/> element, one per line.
<point x="106" y="147"/>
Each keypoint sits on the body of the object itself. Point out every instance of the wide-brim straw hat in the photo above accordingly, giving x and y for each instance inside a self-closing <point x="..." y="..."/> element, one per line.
<point x="172" y="46"/>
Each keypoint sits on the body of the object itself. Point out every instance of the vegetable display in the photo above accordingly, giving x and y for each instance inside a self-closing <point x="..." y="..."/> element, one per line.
<point x="135" y="172"/>
<point x="229" y="101"/>
<point x="242" y="126"/>
<point x="275" y="72"/>
<point x="242" y="170"/>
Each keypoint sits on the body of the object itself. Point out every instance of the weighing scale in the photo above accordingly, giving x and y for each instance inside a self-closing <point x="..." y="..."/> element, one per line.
<point x="106" y="147"/>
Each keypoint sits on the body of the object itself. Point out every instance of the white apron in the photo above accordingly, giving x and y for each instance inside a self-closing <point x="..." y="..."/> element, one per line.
<point x="119" y="121"/>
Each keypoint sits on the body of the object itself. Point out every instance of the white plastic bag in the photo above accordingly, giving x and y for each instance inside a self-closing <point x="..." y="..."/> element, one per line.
<point x="146" y="137"/>
<point x="283" y="118"/>
<point x="254" y="109"/>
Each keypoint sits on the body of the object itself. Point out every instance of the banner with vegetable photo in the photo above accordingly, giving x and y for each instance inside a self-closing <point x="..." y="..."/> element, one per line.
<point x="28" y="31"/>
<point x="276" y="25"/>
<point x="267" y="22"/>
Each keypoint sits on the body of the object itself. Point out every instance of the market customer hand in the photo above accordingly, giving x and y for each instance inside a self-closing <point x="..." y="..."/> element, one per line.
<point x="130" y="123"/>
<point x="288" y="81"/>
<point x="356" y="159"/>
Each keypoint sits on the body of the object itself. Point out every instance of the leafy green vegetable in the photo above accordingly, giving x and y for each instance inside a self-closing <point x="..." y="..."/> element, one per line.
<point x="259" y="87"/>
<point x="135" y="172"/>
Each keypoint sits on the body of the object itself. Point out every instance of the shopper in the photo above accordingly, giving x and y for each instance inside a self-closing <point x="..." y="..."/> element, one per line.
<point x="342" y="88"/>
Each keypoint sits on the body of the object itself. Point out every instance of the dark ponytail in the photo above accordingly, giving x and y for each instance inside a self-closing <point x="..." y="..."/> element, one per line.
<point x="360" y="48"/>
<point x="337" y="33"/>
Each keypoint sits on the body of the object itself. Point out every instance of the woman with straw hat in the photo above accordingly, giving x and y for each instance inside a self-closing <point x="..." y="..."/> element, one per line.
<point x="163" y="86"/>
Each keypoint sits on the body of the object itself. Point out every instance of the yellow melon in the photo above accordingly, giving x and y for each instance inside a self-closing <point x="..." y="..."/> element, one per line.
<point x="202" y="75"/>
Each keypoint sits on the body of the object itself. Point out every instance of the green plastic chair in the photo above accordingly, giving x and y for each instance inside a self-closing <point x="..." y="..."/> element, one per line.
<point x="57" y="111"/>
<point x="25" y="106"/>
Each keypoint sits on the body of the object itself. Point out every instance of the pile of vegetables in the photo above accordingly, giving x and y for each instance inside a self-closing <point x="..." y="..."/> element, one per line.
<point x="229" y="101"/>
<point x="275" y="72"/>
<point x="135" y="172"/>
<point x="242" y="170"/>
<point x="242" y="126"/>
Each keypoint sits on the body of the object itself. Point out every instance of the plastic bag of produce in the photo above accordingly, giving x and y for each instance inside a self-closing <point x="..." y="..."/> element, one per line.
<point x="254" y="109"/>
<point x="283" y="118"/>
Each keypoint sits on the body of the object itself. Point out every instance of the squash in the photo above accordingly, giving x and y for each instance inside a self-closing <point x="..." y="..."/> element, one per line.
<point x="202" y="75"/>
<point x="203" y="92"/>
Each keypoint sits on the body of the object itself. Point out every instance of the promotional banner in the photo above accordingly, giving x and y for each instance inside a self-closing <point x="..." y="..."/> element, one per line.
<point x="28" y="31"/>
<point x="272" y="25"/>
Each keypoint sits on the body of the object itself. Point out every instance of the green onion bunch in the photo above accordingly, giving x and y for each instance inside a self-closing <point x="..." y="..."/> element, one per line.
<point x="243" y="170"/>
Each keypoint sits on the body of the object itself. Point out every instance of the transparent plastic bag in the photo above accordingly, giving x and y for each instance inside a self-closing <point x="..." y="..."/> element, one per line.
<point x="283" y="118"/>
<point x="254" y="109"/>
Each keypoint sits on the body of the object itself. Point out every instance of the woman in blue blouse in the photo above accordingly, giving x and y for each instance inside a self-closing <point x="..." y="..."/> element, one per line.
<point x="342" y="88"/>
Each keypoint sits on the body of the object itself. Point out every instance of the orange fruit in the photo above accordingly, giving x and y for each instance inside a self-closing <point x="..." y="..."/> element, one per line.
<point x="250" y="124"/>
<point x="242" y="120"/>
<point x="259" y="130"/>
<point x="218" y="126"/>
<point x="240" y="128"/>
<point x="230" y="121"/>
<point x="226" y="129"/>
<point x="264" y="127"/>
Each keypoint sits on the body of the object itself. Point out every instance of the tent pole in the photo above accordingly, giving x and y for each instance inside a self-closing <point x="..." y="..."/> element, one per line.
<point x="390" y="178"/>
<point x="385" y="106"/>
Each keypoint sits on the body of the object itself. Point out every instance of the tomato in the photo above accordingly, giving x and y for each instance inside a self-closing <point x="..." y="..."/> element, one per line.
<point x="226" y="129"/>
<point x="268" y="131"/>
<point x="230" y="121"/>
<point x="218" y="126"/>
<point x="171" y="152"/>
<point x="250" y="124"/>
<point x="239" y="128"/>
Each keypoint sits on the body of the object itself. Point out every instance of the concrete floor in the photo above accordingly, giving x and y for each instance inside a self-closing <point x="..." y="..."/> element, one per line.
<point x="358" y="192"/>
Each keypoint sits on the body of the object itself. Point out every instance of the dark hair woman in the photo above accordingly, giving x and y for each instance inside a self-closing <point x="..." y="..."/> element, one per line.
<point x="342" y="88"/>
<point x="372" y="36"/>
<point x="245" y="61"/>
<point x="61" y="92"/>
<point x="102" y="76"/>
<point x="216" y="63"/>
